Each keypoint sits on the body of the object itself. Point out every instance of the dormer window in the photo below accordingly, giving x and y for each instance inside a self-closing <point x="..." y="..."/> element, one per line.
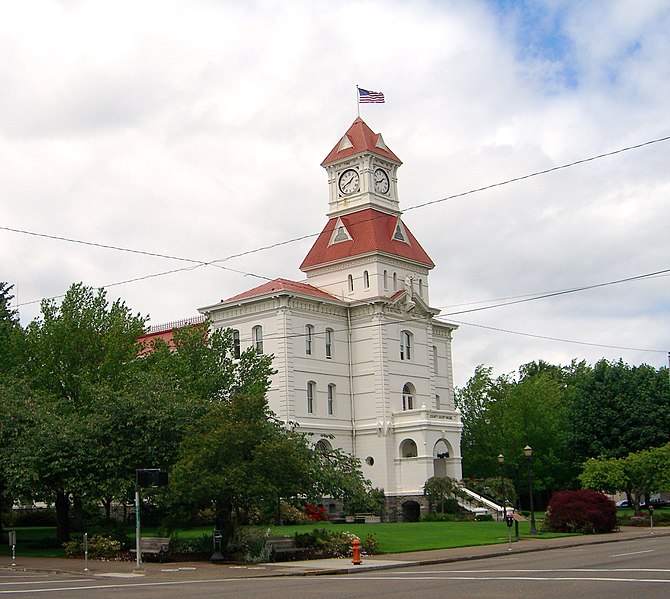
<point x="399" y="233"/>
<point x="340" y="233"/>
<point x="366" y="279"/>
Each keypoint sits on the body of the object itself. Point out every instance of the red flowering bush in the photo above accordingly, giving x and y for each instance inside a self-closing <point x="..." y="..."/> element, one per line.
<point x="584" y="511"/>
<point x="315" y="513"/>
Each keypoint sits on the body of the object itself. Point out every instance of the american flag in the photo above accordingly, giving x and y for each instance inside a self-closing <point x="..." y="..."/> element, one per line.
<point x="368" y="97"/>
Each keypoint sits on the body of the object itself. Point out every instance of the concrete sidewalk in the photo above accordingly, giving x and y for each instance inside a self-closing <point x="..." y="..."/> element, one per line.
<point x="207" y="570"/>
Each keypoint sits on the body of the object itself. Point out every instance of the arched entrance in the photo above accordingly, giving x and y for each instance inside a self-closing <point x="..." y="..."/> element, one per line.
<point x="441" y="453"/>
<point x="411" y="511"/>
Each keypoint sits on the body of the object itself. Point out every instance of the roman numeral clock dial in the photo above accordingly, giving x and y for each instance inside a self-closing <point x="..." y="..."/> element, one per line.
<point x="381" y="181"/>
<point x="349" y="181"/>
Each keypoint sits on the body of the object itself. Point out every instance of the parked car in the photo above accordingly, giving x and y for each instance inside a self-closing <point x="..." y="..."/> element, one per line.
<point x="658" y="502"/>
<point x="623" y="504"/>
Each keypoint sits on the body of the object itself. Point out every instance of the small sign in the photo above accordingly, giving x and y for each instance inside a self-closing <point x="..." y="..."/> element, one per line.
<point x="12" y="538"/>
<point x="153" y="478"/>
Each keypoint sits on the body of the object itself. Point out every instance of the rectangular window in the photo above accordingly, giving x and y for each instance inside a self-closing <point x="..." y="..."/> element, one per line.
<point x="311" y="389"/>
<point x="329" y="344"/>
<point x="331" y="399"/>
<point x="405" y="345"/>
<point x="309" y="333"/>
<point x="236" y="345"/>
<point x="258" y="338"/>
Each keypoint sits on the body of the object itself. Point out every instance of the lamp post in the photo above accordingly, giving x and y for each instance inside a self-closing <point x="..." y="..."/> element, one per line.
<point x="501" y="461"/>
<point x="528" y="452"/>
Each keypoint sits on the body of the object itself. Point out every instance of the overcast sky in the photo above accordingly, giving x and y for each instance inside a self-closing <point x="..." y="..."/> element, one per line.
<point x="195" y="129"/>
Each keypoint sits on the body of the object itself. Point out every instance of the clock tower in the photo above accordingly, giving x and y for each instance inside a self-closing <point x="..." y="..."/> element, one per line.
<point x="362" y="173"/>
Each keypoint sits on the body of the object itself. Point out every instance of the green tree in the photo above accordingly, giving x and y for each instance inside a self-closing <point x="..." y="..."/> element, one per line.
<point x="617" y="409"/>
<point x="439" y="489"/>
<point x="503" y="415"/>
<point x="11" y="334"/>
<point x="638" y="474"/>
<point x="76" y="353"/>
<point x="238" y="456"/>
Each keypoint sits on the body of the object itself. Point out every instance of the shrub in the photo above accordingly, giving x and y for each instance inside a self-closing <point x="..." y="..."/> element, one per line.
<point x="292" y="515"/>
<point x="484" y="518"/>
<point x="202" y="544"/>
<point x="315" y="513"/>
<point x="586" y="512"/>
<point x="323" y="542"/>
<point x="251" y="545"/>
<point x="99" y="547"/>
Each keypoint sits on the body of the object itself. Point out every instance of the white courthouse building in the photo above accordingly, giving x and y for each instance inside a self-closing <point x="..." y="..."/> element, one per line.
<point x="358" y="351"/>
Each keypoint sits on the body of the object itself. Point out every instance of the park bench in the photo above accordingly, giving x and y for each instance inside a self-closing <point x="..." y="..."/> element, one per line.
<point x="283" y="549"/>
<point x="154" y="546"/>
<point x="367" y="519"/>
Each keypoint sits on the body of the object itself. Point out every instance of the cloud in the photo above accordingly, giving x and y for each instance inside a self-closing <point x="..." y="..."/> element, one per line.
<point x="197" y="130"/>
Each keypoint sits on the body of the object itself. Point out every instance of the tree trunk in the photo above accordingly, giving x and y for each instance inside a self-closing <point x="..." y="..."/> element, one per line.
<point x="107" y="503"/>
<point x="62" y="517"/>
<point x="77" y="514"/>
<point x="225" y="521"/>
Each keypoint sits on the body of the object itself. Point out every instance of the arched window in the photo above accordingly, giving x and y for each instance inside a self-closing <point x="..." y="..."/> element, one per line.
<point x="386" y="280"/>
<point x="236" y="344"/>
<point x="408" y="449"/>
<point x="330" y="340"/>
<point x="435" y="361"/>
<point x="309" y="337"/>
<point x="438" y="405"/>
<point x="420" y="288"/>
<point x="257" y="335"/>
<point x="323" y="445"/>
<point x="350" y="279"/>
<point x="366" y="279"/>
<point x="395" y="281"/>
<point x="331" y="399"/>
<point x="405" y="345"/>
<point x="311" y="396"/>
<point x="408" y="397"/>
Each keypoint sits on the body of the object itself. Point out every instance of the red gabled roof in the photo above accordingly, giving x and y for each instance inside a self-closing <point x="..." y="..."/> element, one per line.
<point x="278" y="285"/>
<point x="371" y="231"/>
<point x="363" y="139"/>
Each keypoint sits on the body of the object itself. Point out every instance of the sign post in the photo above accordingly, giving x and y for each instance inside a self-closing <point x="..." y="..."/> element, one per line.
<point x="12" y="544"/>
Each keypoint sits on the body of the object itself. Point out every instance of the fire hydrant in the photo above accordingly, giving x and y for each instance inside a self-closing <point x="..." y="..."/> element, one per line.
<point x="356" y="551"/>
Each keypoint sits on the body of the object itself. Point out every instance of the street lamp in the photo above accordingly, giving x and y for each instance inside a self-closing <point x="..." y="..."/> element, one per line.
<point x="501" y="461"/>
<point x="528" y="452"/>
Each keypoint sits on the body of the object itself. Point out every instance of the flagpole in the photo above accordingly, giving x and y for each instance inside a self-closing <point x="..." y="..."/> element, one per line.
<point x="358" y="103"/>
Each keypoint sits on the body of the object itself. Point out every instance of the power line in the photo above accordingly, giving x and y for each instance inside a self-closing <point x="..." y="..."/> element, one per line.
<point x="559" y="339"/>
<point x="562" y="292"/>
<point x="217" y="262"/>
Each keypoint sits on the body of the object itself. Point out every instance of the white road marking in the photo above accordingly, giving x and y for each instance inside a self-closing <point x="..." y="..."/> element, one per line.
<point x="633" y="553"/>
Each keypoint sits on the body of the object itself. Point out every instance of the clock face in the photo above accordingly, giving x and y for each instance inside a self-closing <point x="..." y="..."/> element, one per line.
<point x="381" y="180"/>
<point x="349" y="181"/>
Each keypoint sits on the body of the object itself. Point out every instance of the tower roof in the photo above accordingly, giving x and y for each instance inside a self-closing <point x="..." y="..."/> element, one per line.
<point x="360" y="138"/>
<point x="367" y="231"/>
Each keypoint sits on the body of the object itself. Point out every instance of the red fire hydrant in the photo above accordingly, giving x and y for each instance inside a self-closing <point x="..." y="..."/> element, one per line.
<point x="356" y="551"/>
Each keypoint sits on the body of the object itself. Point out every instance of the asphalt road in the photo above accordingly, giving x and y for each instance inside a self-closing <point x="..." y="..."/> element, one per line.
<point x="637" y="568"/>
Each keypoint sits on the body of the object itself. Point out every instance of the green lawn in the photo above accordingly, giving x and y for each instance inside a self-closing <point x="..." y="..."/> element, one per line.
<point x="418" y="536"/>
<point x="392" y="538"/>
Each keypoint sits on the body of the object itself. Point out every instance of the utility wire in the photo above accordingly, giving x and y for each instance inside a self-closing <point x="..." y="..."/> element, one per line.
<point x="559" y="339"/>
<point x="562" y="292"/>
<point x="217" y="262"/>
